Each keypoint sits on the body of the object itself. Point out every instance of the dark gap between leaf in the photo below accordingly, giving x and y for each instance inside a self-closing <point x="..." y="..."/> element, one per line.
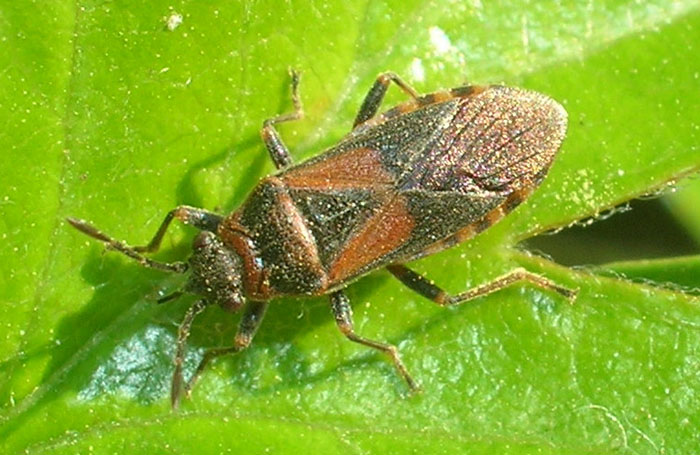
<point x="647" y="231"/>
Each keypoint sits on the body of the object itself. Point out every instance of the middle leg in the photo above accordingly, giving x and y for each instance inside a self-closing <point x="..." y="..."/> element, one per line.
<point x="340" y="306"/>
<point x="376" y="93"/>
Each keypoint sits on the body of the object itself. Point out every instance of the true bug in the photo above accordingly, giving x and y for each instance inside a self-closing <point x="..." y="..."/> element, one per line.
<point x="424" y="176"/>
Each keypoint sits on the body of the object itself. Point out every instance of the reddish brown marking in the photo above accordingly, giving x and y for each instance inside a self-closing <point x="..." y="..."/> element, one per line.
<point x="181" y="214"/>
<point x="358" y="168"/>
<point x="299" y="243"/>
<point x="389" y="228"/>
<point x="401" y="109"/>
<point x="465" y="90"/>
<point x="515" y="198"/>
<point x="435" y="97"/>
<point x="242" y="340"/>
<point x="407" y="106"/>
<point x="234" y="236"/>
<point x="495" y="215"/>
<point x="301" y="236"/>
<point x="425" y="100"/>
<point x="442" y="298"/>
<point x="299" y="226"/>
<point x="488" y="220"/>
<point x="468" y="90"/>
<point x="267" y="137"/>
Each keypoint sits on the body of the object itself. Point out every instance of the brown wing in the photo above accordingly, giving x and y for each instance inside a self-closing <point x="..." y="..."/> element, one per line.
<point x="425" y="175"/>
<point x="337" y="195"/>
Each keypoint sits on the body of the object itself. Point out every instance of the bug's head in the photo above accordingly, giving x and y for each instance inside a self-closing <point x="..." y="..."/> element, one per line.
<point x="215" y="272"/>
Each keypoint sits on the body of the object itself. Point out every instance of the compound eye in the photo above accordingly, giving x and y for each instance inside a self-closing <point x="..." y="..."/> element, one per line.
<point x="203" y="240"/>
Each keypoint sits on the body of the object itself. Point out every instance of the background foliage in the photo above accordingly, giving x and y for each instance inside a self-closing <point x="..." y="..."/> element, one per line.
<point x="112" y="116"/>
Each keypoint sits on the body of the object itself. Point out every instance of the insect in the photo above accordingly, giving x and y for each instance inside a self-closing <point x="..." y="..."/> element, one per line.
<point x="421" y="177"/>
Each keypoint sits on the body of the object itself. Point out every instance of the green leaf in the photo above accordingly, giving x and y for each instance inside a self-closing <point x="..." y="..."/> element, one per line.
<point x="682" y="273"/>
<point x="116" y="117"/>
<point x="684" y="205"/>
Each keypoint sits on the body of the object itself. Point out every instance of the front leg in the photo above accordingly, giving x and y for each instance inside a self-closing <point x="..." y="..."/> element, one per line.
<point x="183" y="332"/>
<point x="249" y="325"/>
<point x="278" y="151"/>
<point x="201" y="219"/>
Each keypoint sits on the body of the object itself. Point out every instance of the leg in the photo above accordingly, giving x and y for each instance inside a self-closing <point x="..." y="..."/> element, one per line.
<point x="123" y="248"/>
<point x="182" y="334"/>
<point x="428" y="290"/>
<point x="278" y="151"/>
<point x="201" y="219"/>
<point x="250" y="322"/>
<point x="343" y="317"/>
<point x="376" y="94"/>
